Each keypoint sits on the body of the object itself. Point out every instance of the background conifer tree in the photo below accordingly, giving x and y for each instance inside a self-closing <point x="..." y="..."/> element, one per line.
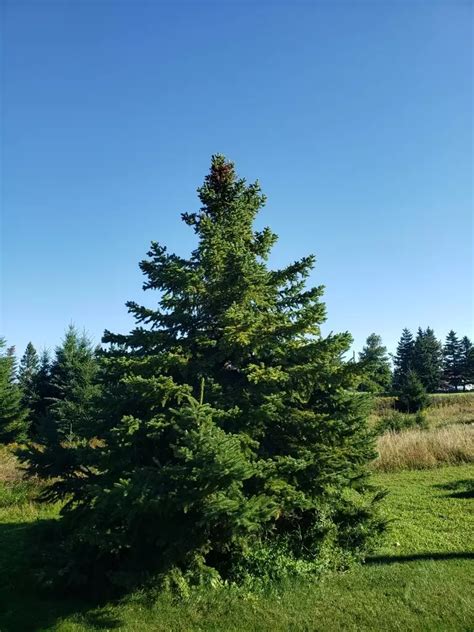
<point x="376" y="366"/>
<point x="428" y="359"/>
<point x="13" y="416"/>
<point x="452" y="361"/>
<point x="66" y="408"/>
<point x="403" y="359"/>
<point x="229" y="427"/>
<point x="467" y="362"/>
<point x="411" y="395"/>
<point x="28" y="379"/>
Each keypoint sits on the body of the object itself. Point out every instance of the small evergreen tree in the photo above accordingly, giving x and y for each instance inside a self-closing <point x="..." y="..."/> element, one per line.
<point x="376" y="366"/>
<point x="467" y="362"/>
<point x="452" y="361"/>
<point x="13" y="417"/>
<point x="403" y="359"/>
<point x="28" y="379"/>
<point x="412" y="395"/>
<point x="229" y="428"/>
<point x="68" y="390"/>
<point x="428" y="359"/>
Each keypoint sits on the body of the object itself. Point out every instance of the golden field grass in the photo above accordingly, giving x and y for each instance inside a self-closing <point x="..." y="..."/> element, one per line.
<point x="418" y="449"/>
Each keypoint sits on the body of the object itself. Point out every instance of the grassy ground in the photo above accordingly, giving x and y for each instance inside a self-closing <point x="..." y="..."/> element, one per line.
<point x="421" y="578"/>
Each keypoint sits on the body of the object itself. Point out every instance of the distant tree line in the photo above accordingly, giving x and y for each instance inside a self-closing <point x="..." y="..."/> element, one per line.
<point x="50" y="398"/>
<point x="421" y="362"/>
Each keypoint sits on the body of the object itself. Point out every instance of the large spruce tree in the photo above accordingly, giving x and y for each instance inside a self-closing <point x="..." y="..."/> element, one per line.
<point x="13" y="416"/>
<point x="376" y="366"/>
<point x="231" y="441"/>
<point x="428" y="359"/>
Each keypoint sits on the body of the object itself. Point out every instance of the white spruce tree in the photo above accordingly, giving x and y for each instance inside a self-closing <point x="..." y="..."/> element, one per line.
<point x="13" y="416"/>
<point x="403" y="359"/>
<point x="65" y="409"/>
<point x="452" y="361"/>
<point x="28" y="373"/>
<point x="375" y="362"/>
<point x="428" y="359"/>
<point x="230" y="434"/>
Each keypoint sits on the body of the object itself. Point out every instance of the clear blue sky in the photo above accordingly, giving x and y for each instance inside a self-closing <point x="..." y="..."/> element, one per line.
<point x="356" y="117"/>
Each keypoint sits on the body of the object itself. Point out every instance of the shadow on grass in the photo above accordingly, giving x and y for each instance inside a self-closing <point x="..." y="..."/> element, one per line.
<point x="397" y="559"/>
<point x="464" y="488"/>
<point x="24" y="605"/>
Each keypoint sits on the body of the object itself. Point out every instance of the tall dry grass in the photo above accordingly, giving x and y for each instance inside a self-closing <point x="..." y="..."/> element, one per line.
<point x="419" y="449"/>
<point x="443" y="409"/>
<point x="10" y="471"/>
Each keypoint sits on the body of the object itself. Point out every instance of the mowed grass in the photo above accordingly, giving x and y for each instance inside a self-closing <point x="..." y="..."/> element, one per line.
<point x="420" y="579"/>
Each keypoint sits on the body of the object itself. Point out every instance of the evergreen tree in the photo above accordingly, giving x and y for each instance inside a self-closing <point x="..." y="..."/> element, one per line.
<point x="428" y="359"/>
<point x="467" y="362"/>
<point x="411" y="395"/>
<point x="28" y="379"/>
<point x="376" y="365"/>
<point x="229" y="427"/>
<point x="403" y="360"/>
<point x="68" y="390"/>
<point x="452" y="361"/>
<point x="13" y="418"/>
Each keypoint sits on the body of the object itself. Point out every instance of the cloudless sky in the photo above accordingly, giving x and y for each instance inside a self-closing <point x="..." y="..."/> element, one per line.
<point x="356" y="117"/>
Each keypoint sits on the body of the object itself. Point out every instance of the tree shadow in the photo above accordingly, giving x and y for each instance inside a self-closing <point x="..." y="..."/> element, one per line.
<point x="464" y="488"/>
<point x="397" y="559"/>
<point x="25" y="603"/>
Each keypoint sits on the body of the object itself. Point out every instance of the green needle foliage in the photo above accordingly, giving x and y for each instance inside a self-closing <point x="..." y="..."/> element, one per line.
<point x="412" y="395"/>
<point x="376" y="366"/>
<point x="453" y="361"/>
<point x="231" y="443"/>
<point x="428" y="359"/>
<point x="13" y="416"/>
<point x="28" y="378"/>
<point x="64" y="413"/>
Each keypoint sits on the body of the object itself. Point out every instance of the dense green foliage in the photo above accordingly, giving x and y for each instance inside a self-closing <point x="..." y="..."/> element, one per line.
<point x="427" y="361"/>
<point x="437" y="367"/>
<point x="453" y="360"/>
<point x="230" y="442"/>
<point x="467" y="362"/>
<point x="13" y="415"/>
<point x="376" y="366"/>
<point x="63" y="411"/>
<point x="403" y="359"/>
<point x="412" y="395"/>
<point x="28" y="379"/>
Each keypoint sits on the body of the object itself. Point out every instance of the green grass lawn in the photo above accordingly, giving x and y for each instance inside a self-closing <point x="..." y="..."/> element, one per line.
<point x="421" y="579"/>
